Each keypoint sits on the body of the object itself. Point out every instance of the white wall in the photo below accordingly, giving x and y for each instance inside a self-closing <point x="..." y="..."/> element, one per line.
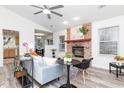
<point x="12" y="21"/>
<point x="48" y="50"/>
<point x="102" y="61"/>
<point x="56" y="42"/>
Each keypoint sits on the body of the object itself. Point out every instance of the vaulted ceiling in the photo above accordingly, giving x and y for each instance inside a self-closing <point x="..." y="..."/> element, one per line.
<point x="86" y="13"/>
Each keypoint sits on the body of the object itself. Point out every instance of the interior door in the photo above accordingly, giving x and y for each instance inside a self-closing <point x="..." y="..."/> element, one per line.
<point x="10" y="43"/>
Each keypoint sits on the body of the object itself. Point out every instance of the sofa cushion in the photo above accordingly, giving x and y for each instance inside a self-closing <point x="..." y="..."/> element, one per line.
<point x="49" y="61"/>
<point x="38" y="59"/>
<point x="34" y="54"/>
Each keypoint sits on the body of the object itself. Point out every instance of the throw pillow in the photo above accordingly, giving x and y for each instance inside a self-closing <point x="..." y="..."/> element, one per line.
<point x="34" y="54"/>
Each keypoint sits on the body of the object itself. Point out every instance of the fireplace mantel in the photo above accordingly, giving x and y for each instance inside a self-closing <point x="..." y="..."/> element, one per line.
<point x="78" y="40"/>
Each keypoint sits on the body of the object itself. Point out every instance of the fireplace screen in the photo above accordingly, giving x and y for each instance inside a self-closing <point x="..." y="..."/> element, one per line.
<point x="78" y="51"/>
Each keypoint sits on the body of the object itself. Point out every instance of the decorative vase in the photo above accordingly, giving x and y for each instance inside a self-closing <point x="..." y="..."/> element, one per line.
<point x="82" y="35"/>
<point x="67" y="60"/>
<point x="118" y="62"/>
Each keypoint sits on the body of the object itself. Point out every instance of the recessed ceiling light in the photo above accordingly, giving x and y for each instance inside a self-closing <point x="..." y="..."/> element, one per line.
<point x="65" y="22"/>
<point x="75" y="18"/>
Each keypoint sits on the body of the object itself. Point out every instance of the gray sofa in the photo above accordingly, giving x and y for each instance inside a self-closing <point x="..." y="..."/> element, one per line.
<point x="44" y="73"/>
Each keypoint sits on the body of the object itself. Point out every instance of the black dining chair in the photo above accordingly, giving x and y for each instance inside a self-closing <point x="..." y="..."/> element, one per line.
<point x="85" y="64"/>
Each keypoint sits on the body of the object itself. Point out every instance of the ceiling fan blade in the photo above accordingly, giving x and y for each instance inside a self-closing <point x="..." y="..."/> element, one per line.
<point x="49" y="17"/>
<point x="36" y="6"/>
<point x="45" y="6"/>
<point x="38" y="12"/>
<point x="56" y="13"/>
<point x="56" y="7"/>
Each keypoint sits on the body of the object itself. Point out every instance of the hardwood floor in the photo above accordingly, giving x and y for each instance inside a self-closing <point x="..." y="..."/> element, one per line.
<point x="96" y="78"/>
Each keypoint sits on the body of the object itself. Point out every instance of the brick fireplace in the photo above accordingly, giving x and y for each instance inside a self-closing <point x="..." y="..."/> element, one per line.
<point x="78" y="41"/>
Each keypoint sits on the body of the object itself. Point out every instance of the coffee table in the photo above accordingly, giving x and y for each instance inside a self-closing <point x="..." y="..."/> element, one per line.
<point x="74" y="62"/>
<point x="118" y="67"/>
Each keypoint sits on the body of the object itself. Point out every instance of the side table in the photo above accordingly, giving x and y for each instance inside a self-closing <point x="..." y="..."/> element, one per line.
<point x="22" y="75"/>
<point x="24" y="59"/>
<point x="118" y="67"/>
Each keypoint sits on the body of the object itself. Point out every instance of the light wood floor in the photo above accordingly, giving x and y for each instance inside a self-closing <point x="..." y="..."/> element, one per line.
<point x="96" y="78"/>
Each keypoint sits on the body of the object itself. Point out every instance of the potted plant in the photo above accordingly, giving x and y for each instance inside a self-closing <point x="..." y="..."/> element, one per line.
<point x="83" y="31"/>
<point x="68" y="57"/>
<point x="18" y="68"/>
<point x="119" y="59"/>
<point x="19" y="72"/>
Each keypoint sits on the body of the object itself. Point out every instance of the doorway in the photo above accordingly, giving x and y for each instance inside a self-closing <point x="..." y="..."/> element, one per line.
<point x="10" y="44"/>
<point x="42" y="38"/>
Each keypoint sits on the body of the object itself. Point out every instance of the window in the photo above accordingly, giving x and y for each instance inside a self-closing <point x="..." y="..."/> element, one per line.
<point x="108" y="40"/>
<point x="49" y="41"/>
<point x="61" y="43"/>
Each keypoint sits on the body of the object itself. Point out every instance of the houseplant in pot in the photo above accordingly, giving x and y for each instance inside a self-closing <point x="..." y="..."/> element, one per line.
<point x="68" y="57"/>
<point x="83" y="31"/>
<point x="119" y="59"/>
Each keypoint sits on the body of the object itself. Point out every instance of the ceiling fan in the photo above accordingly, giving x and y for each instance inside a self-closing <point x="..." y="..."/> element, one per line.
<point x="48" y="10"/>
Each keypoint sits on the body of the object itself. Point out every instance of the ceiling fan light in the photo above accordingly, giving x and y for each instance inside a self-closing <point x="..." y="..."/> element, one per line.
<point x="46" y="11"/>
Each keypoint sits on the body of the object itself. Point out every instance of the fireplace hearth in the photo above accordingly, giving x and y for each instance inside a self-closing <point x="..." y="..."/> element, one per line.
<point x="78" y="51"/>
